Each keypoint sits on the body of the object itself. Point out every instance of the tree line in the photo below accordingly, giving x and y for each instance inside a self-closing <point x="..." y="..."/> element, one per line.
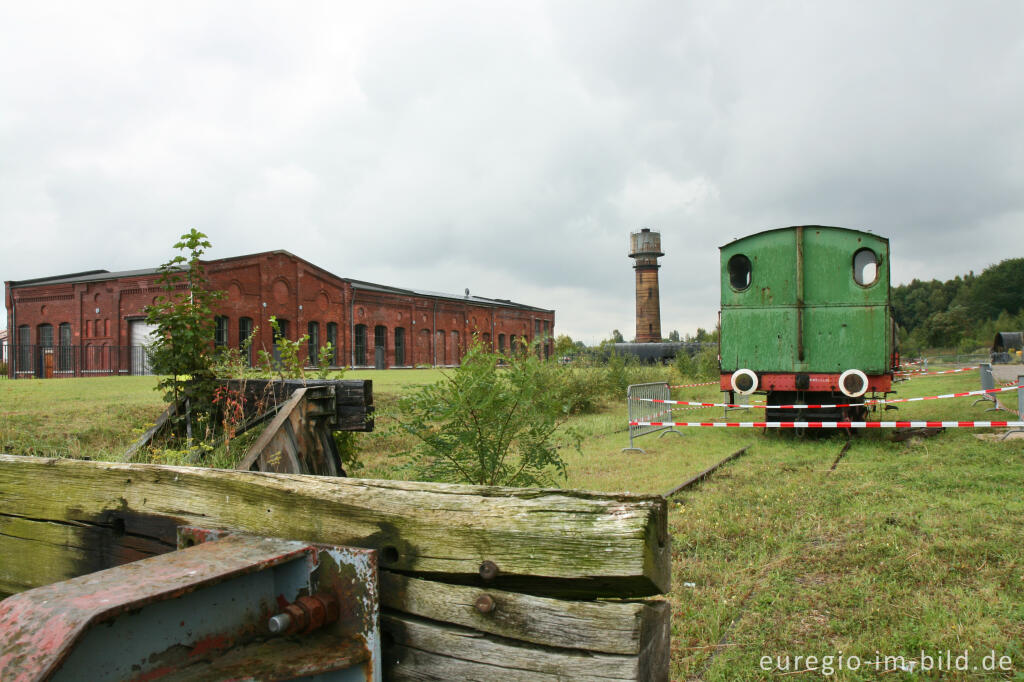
<point x="963" y="313"/>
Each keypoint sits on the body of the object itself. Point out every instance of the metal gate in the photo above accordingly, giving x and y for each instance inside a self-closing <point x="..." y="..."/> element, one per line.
<point x="641" y="409"/>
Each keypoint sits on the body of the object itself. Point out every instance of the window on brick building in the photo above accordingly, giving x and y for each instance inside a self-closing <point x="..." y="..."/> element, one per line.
<point x="313" y="346"/>
<point x="399" y="346"/>
<point x="45" y="335"/>
<point x="332" y="338"/>
<point x="220" y="332"/>
<point x="24" y="355"/>
<point x="440" y="354"/>
<point x="64" y="347"/>
<point x="501" y="343"/>
<point x="281" y="333"/>
<point x="456" y="347"/>
<point x="360" y="344"/>
<point x="244" y="332"/>
<point x="380" y="346"/>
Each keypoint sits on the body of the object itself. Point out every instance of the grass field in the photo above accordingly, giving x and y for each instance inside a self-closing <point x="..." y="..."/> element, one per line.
<point x="905" y="547"/>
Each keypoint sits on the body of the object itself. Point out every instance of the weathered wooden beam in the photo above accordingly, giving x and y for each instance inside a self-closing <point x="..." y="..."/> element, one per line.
<point x="147" y="437"/>
<point x="353" y="398"/>
<point x="417" y="649"/>
<point x="604" y="626"/>
<point x="551" y="542"/>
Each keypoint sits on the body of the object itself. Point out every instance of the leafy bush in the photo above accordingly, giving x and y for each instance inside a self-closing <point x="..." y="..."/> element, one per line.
<point x="490" y="425"/>
<point x="181" y="351"/>
<point x="684" y="365"/>
<point x="706" y="363"/>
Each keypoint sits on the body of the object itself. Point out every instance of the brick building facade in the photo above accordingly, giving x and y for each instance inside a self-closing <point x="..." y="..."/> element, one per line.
<point x="87" y="317"/>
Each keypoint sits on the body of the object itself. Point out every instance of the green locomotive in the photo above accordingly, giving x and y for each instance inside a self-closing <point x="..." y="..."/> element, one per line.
<point x="806" y="318"/>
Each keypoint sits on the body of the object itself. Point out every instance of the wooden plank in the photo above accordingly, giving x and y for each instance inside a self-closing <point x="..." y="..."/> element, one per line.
<point x="552" y="542"/>
<point x="353" y="398"/>
<point x="608" y="627"/>
<point x="148" y="436"/>
<point x="418" y="649"/>
<point x="270" y="433"/>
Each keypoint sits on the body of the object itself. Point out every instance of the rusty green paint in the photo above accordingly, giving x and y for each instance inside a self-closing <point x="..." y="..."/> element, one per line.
<point x="844" y="325"/>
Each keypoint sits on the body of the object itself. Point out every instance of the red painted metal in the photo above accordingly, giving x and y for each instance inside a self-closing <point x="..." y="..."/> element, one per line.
<point x="818" y="382"/>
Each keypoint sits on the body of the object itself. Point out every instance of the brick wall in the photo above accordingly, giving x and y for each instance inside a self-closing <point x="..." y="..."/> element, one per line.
<point x="296" y="292"/>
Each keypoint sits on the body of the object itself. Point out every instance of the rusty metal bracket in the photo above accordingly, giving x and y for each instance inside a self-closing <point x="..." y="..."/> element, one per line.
<point x="203" y="612"/>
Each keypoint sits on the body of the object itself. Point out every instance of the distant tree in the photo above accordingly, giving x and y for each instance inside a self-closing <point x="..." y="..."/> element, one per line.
<point x="673" y="335"/>
<point x="617" y="336"/>
<point x="564" y="346"/>
<point x="999" y="288"/>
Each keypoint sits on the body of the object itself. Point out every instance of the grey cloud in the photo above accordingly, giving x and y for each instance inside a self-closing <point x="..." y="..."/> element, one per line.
<point x="510" y="148"/>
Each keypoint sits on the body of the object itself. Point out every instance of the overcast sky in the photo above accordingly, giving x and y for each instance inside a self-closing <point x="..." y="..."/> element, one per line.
<point x="509" y="147"/>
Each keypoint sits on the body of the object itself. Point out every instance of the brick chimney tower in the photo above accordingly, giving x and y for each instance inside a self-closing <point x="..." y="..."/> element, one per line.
<point x="645" y="248"/>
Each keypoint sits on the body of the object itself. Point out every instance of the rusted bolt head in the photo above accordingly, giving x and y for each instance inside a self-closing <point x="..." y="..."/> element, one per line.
<point x="488" y="570"/>
<point x="485" y="603"/>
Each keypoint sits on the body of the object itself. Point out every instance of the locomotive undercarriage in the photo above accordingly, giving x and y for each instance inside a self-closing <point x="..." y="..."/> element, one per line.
<point x="816" y="414"/>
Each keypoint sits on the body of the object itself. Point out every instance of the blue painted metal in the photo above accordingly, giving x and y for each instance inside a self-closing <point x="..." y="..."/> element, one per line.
<point x="200" y="613"/>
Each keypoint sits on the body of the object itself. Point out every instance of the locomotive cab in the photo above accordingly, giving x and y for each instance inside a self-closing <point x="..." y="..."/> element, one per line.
<point x="806" y="318"/>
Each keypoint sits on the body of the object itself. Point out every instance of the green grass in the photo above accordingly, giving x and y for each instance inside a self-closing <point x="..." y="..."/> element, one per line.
<point x="93" y="417"/>
<point x="904" y="547"/>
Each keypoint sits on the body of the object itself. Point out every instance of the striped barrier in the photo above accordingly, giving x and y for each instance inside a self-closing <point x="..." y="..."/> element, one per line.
<point x="840" y="425"/>
<point x="915" y="373"/>
<point x="706" y="383"/>
<point x="879" y="401"/>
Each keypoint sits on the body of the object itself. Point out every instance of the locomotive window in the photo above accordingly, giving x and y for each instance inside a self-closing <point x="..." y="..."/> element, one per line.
<point x="865" y="267"/>
<point x="739" y="272"/>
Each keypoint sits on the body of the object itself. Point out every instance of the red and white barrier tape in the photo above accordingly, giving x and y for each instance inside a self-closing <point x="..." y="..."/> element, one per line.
<point x="1014" y="387"/>
<point x="706" y="383"/>
<point x="840" y="425"/>
<point x="930" y="374"/>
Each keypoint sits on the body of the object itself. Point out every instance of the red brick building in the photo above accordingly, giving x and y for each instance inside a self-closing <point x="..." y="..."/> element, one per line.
<point x="93" y="322"/>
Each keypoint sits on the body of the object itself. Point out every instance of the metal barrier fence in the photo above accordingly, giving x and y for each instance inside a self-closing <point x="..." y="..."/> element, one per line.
<point x="1020" y="407"/>
<point x="44" y="362"/>
<point x="641" y="410"/>
<point x="988" y="381"/>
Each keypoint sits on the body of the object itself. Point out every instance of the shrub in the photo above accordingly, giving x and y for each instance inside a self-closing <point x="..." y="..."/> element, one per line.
<point x="490" y="425"/>
<point x="707" y="363"/>
<point x="684" y="365"/>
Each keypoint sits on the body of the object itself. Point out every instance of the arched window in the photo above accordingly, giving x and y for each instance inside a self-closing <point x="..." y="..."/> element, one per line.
<point x="44" y="335"/>
<point x="220" y="332"/>
<point x="280" y="334"/>
<point x="244" y="332"/>
<point x="332" y="338"/>
<point x="24" y="355"/>
<point x="440" y="356"/>
<point x="501" y="343"/>
<point x="313" y="346"/>
<point x="64" y="347"/>
<point x="399" y="346"/>
<point x="512" y="344"/>
<point x="456" y="348"/>
<point x="360" y="344"/>
<point x="380" y="346"/>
